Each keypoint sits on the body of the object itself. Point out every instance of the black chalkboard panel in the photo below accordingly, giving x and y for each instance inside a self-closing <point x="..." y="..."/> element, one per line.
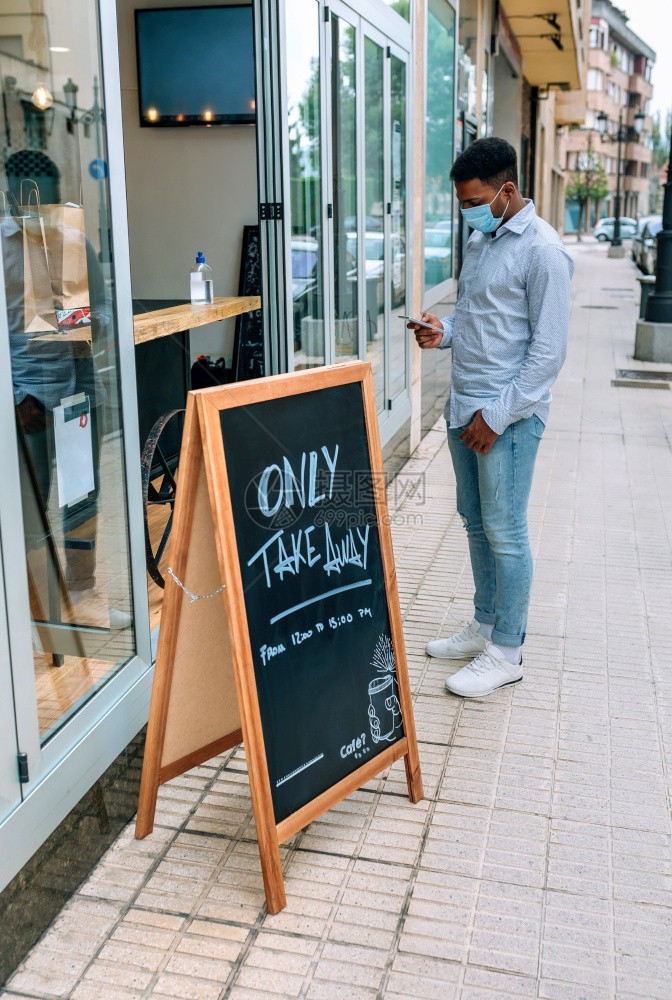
<point x="309" y="551"/>
<point x="248" y="345"/>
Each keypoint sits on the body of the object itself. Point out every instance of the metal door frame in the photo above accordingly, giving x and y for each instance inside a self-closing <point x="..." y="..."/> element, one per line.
<point x="65" y="768"/>
<point x="388" y="30"/>
<point x="400" y="53"/>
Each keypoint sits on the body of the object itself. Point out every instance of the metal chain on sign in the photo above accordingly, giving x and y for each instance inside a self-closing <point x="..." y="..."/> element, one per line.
<point x="194" y="597"/>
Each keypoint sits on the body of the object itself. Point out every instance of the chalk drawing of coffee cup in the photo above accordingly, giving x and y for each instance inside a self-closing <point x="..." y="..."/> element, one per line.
<point x="384" y="709"/>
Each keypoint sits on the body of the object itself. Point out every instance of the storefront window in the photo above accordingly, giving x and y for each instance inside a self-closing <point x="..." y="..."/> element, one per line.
<point x="486" y="97"/>
<point x="398" y="331"/>
<point x="63" y="343"/>
<point x="374" y="180"/>
<point x="305" y="167"/>
<point x="402" y="7"/>
<point x="467" y="56"/>
<point x="439" y="143"/>
<point x="344" y="166"/>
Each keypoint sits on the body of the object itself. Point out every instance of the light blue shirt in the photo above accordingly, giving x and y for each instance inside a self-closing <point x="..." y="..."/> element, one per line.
<point x="509" y="329"/>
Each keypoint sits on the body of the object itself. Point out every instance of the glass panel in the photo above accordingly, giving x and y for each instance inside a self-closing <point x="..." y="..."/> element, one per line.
<point x="374" y="175"/>
<point x="402" y="7"/>
<point x="440" y="143"/>
<point x="466" y="57"/>
<point x="398" y="333"/>
<point x="10" y="789"/>
<point x="305" y="147"/>
<point x="344" y="165"/>
<point x="63" y="337"/>
<point x="485" y="97"/>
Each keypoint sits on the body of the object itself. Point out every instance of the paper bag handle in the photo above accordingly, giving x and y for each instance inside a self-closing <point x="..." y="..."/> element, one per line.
<point x="33" y="191"/>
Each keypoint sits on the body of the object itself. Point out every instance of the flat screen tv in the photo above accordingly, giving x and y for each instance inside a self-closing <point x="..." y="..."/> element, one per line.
<point x="195" y="66"/>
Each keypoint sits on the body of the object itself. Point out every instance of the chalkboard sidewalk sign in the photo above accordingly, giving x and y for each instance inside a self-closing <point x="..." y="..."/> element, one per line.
<point x="281" y="625"/>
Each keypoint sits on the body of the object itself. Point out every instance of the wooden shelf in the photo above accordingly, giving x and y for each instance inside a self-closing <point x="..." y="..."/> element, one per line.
<point x="175" y="319"/>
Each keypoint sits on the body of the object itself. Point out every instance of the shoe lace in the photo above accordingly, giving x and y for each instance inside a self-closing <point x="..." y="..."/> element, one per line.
<point x="465" y="634"/>
<point x="481" y="664"/>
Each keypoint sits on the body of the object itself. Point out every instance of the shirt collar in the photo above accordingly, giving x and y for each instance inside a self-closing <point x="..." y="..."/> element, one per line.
<point x="520" y="221"/>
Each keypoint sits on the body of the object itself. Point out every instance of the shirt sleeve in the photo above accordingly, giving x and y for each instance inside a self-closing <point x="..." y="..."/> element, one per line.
<point x="448" y="322"/>
<point x="548" y="306"/>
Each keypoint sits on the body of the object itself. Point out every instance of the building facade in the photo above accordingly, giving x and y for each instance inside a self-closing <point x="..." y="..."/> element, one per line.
<point x="358" y="117"/>
<point x="618" y="86"/>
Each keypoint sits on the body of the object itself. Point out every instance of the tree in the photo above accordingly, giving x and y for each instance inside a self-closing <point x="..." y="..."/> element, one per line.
<point x="588" y="181"/>
<point x="660" y="143"/>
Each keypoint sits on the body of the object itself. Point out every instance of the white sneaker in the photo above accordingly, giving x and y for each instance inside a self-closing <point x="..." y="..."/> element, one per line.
<point x="487" y="673"/>
<point x="89" y="607"/>
<point x="466" y="643"/>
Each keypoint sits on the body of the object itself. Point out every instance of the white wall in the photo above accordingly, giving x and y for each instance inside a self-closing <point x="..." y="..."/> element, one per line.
<point x="188" y="189"/>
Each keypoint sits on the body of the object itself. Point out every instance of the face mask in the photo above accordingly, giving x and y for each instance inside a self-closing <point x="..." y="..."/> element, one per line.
<point x="480" y="216"/>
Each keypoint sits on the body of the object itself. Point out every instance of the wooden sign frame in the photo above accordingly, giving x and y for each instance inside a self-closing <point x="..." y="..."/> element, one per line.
<point x="204" y="698"/>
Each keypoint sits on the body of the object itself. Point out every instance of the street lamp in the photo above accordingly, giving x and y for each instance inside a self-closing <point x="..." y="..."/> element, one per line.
<point x="94" y="116"/>
<point x="622" y="135"/>
<point x="70" y="94"/>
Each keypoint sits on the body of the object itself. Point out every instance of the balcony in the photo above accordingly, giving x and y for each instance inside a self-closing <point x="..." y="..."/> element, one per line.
<point x="638" y="184"/>
<point x="637" y="151"/>
<point x="638" y="85"/>
<point x="550" y="56"/>
<point x="598" y="59"/>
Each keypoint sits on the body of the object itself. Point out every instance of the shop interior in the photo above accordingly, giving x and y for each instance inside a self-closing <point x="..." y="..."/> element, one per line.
<point x="189" y="189"/>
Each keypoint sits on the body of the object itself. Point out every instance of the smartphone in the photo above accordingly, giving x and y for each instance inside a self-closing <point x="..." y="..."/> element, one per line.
<point x="425" y="326"/>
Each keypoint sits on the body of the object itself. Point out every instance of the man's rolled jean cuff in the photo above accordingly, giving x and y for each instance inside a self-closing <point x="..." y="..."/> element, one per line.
<point x="506" y="639"/>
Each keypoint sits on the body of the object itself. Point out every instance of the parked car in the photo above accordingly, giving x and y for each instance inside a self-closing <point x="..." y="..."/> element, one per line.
<point x="437" y="255"/>
<point x="374" y="253"/>
<point x="637" y="242"/>
<point x="604" y="230"/>
<point x="650" y="245"/>
<point x="305" y="281"/>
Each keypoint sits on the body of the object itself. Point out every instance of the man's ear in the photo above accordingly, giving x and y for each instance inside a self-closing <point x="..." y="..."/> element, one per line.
<point x="510" y="189"/>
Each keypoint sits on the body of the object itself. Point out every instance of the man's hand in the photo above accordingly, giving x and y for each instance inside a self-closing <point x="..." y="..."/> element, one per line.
<point x="426" y="338"/>
<point x="478" y="436"/>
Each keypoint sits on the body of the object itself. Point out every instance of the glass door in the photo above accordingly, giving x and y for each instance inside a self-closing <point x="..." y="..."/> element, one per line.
<point x="374" y="210"/>
<point x="396" y="228"/>
<point x="345" y="178"/>
<point x="304" y="193"/>
<point x="343" y="89"/>
<point x="68" y="476"/>
<point x="10" y="788"/>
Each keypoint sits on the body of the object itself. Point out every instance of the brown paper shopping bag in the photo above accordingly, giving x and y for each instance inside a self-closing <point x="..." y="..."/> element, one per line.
<point x="66" y="247"/>
<point x="38" y="304"/>
<point x="66" y="253"/>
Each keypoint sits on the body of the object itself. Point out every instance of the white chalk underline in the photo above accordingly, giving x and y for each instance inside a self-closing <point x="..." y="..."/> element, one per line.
<point x="313" y="600"/>
<point x="299" y="770"/>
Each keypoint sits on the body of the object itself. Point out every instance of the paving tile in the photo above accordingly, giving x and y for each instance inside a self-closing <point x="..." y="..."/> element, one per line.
<point x="539" y="863"/>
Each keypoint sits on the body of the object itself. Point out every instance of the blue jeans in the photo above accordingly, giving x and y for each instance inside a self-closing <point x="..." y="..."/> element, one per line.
<point x="492" y="495"/>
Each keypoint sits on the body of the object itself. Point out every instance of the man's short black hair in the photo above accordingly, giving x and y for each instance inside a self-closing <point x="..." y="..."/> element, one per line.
<point x="493" y="161"/>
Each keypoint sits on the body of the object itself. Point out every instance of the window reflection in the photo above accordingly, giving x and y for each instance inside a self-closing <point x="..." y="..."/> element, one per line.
<point x="344" y="156"/>
<point x="63" y="347"/>
<point x="439" y="143"/>
<point x="305" y="150"/>
<point x="398" y="333"/>
<point x="374" y="179"/>
<point x="467" y="56"/>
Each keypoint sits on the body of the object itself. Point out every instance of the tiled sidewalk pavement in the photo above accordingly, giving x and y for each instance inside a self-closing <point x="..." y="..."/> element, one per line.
<point x="539" y="863"/>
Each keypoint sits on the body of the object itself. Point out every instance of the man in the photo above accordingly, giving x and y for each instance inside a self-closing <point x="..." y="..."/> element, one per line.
<point x="508" y="335"/>
<point x="43" y="374"/>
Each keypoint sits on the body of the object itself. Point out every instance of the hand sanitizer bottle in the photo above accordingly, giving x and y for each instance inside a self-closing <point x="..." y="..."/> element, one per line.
<point x="201" y="281"/>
